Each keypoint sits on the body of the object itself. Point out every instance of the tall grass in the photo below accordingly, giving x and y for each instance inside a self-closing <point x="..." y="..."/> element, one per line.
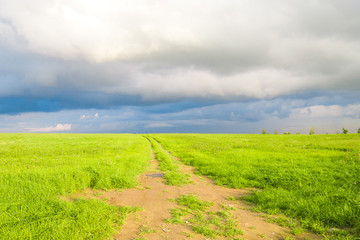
<point x="37" y="169"/>
<point x="315" y="179"/>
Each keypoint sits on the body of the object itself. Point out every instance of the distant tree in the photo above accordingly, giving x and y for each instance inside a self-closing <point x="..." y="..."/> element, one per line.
<point x="359" y="130"/>
<point x="312" y="131"/>
<point x="264" y="131"/>
<point x="345" y="131"/>
<point x="276" y="131"/>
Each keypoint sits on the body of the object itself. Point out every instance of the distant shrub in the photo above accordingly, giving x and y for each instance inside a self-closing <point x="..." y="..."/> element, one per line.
<point x="312" y="131"/>
<point x="345" y="131"/>
<point x="359" y="130"/>
<point x="276" y="131"/>
<point x="264" y="131"/>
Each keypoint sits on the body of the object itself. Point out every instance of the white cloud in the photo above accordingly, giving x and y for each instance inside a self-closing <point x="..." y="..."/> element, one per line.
<point x="84" y="117"/>
<point x="58" y="128"/>
<point x="330" y="112"/>
<point x="192" y="83"/>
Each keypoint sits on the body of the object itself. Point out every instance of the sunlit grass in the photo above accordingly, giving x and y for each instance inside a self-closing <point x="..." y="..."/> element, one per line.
<point x="315" y="179"/>
<point x="37" y="169"/>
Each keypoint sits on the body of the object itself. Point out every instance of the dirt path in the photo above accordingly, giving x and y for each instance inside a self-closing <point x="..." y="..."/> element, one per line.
<point x="153" y="195"/>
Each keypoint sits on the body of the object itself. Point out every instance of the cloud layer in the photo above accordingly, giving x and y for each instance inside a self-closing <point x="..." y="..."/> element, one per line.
<point x="62" y="55"/>
<point x="166" y="50"/>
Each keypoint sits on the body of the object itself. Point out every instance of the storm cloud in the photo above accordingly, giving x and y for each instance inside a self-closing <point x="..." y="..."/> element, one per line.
<point x="72" y="55"/>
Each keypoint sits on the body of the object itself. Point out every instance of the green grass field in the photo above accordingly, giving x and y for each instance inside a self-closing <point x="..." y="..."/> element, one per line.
<point x="315" y="179"/>
<point x="37" y="169"/>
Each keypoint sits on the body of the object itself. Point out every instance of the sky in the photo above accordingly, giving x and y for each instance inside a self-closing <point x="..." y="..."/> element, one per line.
<point x="182" y="66"/>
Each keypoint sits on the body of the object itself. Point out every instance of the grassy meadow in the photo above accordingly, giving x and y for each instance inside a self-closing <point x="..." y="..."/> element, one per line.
<point x="37" y="169"/>
<point x="315" y="179"/>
